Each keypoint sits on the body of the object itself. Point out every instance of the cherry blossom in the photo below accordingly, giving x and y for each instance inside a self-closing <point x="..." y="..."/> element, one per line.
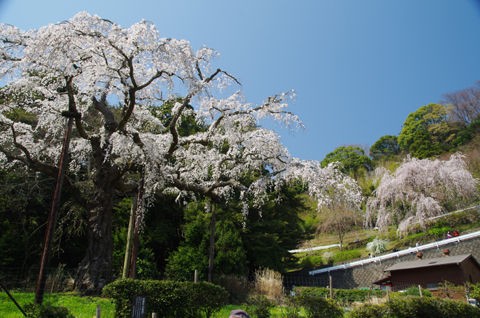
<point x="420" y="189"/>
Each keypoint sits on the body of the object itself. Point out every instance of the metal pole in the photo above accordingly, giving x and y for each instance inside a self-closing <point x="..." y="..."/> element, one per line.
<point x="330" y="285"/>
<point x="13" y="299"/>
<point x="52" y="217"/>
<point x="128" y="247"/>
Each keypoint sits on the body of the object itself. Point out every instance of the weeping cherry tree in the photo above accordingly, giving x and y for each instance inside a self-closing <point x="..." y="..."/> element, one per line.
<point x="420" y="189"/>
<point x="113" y="81"/>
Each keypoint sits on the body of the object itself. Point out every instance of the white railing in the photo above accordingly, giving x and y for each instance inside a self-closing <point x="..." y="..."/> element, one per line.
<point x="315" y="248"/>
<point x="407" y="251"/>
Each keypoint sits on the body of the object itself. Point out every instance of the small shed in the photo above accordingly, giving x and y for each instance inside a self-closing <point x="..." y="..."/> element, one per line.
<point x="429" y="273"/>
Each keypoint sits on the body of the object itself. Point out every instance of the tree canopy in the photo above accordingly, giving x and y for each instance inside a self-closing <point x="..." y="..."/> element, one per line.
<point x="385" y="148"/>
<point x="420" y="189"/>
<point x="427" y="132"/>
<point x="351" y="159"/>
<point x="111" y="81"/>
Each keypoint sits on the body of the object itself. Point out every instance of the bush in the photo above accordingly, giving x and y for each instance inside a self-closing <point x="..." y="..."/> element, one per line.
<point x="343" y="296"/>
<point x="167" y="298"/>
<point x="413" y="291"/>
<point x="47" y="311"/>
<point x="317" y="306"/>
<point x="377" y="246"/>
<point x="237" y="286"/>
<point x="270" y="284"/>
<point x="413" y="307"/>
<point x="369" y="311"/>
<point x="259" y="306"/>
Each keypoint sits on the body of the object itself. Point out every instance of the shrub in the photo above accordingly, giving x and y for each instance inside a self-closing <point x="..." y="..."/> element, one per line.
<point x="237" y="286"/>
<point x="416" y="307"/>
<point x="167" y="298"/>
<point x="317" y="306"/>
<point x="259" y="306"/>
<point x="475" y="291"/>
<point x="377" y="246"/>
<point x="270" y="284"/>
<point x="343" y="296"/>
<point x="291" y="310"/>
<point x="369" y="311"/>
<point x="47" y="311"/>
<point x="413" y="291"/>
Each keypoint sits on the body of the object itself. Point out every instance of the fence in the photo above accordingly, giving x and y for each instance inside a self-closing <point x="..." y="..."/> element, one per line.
<point x="58" y="278"/>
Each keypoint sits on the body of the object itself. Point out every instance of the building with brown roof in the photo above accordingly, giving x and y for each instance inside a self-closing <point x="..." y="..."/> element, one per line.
<point x="429" y="273"/>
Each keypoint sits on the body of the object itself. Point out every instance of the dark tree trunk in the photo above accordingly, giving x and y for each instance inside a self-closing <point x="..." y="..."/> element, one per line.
<point x="95" y="270"/>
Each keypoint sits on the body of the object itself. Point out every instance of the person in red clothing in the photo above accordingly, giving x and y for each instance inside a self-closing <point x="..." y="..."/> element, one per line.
<point x="455" y="233"/>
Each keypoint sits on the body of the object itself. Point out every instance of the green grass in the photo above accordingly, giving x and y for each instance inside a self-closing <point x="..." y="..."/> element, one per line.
<point x="80" y="307"/>
<point x="85" y="307"/>
<point x="275" y="312"/>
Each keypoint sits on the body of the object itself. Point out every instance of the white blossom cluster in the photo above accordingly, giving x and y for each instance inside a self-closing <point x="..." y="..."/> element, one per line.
<point x="420" y="189"/>
<point x="111" y="78"/>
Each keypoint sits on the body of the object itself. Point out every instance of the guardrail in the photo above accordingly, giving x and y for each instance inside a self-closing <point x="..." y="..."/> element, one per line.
<point x="315" y="248"/>
<point x="407" y="251"/>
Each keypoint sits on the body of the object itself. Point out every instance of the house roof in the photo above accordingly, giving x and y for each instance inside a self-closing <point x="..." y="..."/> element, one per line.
<point x="447" y="260"/>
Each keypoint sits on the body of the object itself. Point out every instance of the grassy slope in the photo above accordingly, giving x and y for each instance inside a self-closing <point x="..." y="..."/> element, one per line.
<point x="312" y="218"/>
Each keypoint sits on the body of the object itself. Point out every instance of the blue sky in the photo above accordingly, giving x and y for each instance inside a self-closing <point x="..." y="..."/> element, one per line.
<point x="358" y="67"/>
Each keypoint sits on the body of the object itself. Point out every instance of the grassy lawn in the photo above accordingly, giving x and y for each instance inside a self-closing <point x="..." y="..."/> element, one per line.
<point x="80" y="307"/>
<point x="85" y="307"/>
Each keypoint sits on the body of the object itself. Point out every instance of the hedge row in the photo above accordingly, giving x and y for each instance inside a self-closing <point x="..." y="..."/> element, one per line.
<point x="417" y="307"/>
<point x="344" y="296"/>
<point x="167" y="298"/>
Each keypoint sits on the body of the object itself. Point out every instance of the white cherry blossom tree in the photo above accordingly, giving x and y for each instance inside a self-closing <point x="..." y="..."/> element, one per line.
<point x="420" y="189"/>
<point x="112" y="81"/>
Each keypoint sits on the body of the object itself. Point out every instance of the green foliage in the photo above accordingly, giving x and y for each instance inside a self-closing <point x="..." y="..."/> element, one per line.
<point x="237" y="286"/>
<point x="23" y="211"/>
<point x="274" y="229"/>
<point x="346" y="255"/>
<point x="475" y="291"/>
<point x="469" y="217"/>
<point x="343" y="296"/>
<point x="259" y="306"/>
<point x="414" y="291"/>
<point x="182" y="264"/>
<point x="427" y="132"/>
<point x="413" y="307"/>
<point x="385" y="148"/>
<point x="79" y="306"/>
<point x="317" y="306"/>
<point x="369" y="311"/>
<point x="230" y="256"/>
<point x="47" y="311"/>
<point x="167" y="298"/>
<point x="188" y="122"/>
<point x="21" y="115"/>
<point x="352" y="159"/>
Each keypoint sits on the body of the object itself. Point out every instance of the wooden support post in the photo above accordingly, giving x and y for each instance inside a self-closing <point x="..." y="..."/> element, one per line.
<point x="330" y="285"/>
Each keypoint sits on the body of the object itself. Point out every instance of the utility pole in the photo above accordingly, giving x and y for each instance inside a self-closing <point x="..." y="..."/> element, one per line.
<point x="52" y="216"/>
